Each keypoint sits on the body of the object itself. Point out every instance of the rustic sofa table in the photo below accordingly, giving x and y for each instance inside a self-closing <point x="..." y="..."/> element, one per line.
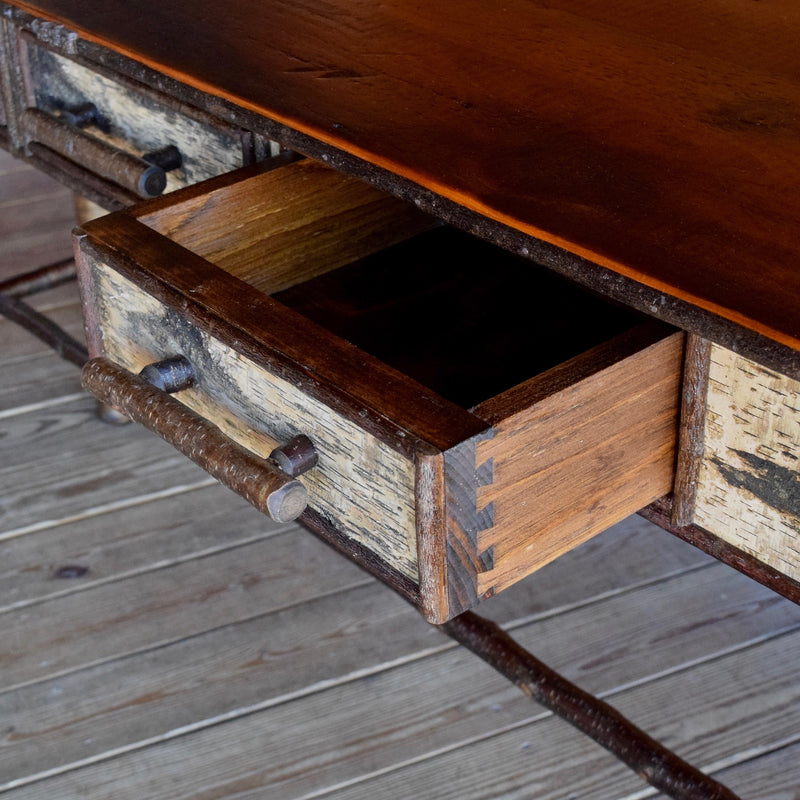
<point x="460" y="287"/>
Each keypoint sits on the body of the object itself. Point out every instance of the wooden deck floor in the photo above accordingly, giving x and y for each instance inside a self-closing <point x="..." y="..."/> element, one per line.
<point x="159" y="640"/>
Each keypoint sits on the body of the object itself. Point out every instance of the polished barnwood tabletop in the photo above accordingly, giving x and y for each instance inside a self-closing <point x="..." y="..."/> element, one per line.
<point x="657" y="141"/>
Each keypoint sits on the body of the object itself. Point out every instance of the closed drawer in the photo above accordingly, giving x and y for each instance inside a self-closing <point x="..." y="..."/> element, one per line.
<point x="474" y="416"/>
<point x="106" y="131"/>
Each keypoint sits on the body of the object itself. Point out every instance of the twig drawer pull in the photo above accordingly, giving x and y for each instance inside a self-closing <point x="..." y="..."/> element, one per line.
<point x="261" y="482"/>
<point x="144" y="176"/>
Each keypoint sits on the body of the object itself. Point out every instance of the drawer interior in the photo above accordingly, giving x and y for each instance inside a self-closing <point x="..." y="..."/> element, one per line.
<point x="460" y="316"/>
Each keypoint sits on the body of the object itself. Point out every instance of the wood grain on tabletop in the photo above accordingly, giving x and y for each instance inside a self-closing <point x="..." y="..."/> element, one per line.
<point x="660" y="141"/>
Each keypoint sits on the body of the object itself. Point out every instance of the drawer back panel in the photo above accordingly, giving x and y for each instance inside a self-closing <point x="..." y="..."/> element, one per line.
<point x="287" y="225"/>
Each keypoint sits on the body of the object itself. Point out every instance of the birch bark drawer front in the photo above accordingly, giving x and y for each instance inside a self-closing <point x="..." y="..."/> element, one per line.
<point x="748" y="488"/>
<point x="474" y="416"/>
<point x="117" y="136"/>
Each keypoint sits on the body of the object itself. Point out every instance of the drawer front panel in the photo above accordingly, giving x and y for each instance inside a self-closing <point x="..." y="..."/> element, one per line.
<point x="361" y="486"/>
<point x="136" y="122"/>
<point x="749" y="483"/>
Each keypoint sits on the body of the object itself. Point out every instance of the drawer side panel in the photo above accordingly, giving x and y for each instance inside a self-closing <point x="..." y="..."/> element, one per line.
<point x="579" y="461"/>
<point x="361" y="487"/>
<point x="749" y="482"/>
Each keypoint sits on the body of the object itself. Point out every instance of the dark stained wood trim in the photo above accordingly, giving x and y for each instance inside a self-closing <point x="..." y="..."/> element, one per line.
<point x="86" y="286"/>
<point x="405" y="415"/>
<point x="430" y="496"/>
<point x="692" y="426"/>
<point x="660" y="513"/>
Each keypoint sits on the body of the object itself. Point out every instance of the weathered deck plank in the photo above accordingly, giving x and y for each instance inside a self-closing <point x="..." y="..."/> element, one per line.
<point x="60" y="462"/>
<point x="30" y="374"/>
<point x="145" y="611"/>
<point x="274" y="655"/>
<point x="17" y="345"/>
<point x="770" y="776"/>
<point x="36" y="216"/>
<point x="465" y="735"/>
<point x="548" y="760"/>
<point x="125" y="542"/>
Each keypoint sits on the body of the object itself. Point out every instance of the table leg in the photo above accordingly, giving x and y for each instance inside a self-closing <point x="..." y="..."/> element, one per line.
<point x="605" y="725"/>
<point x="15" y="309"/>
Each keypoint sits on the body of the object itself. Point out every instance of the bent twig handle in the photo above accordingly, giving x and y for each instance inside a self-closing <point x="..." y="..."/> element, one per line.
<point x="259" y="481"/>
<point x="141" y="177"/>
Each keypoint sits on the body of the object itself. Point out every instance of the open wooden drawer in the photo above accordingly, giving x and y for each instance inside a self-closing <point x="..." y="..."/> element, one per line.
<point x="474" y="416"/>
